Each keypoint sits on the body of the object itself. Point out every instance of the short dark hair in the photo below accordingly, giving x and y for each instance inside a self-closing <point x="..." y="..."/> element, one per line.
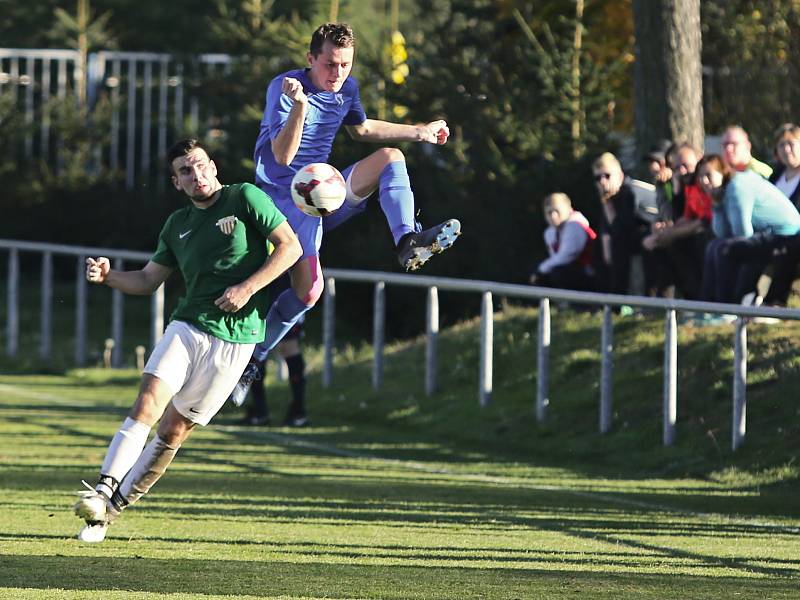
<point x="182" y="148"/>
<point x="339" y="34"/>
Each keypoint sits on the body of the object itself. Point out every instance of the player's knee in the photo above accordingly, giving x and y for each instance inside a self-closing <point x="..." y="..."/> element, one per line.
<point x="314" y="293"/>
<point x="390" y="155"/>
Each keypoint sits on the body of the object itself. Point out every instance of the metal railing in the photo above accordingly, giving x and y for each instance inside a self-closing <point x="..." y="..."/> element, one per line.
<point x="380" y="280"/>
<point x="47" y="251"/>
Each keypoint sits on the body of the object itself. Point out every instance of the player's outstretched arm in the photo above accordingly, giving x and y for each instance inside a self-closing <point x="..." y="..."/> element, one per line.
<point x="371" y="130"/>
<point x="287" y="251"/>
<point x="141" y="282"/>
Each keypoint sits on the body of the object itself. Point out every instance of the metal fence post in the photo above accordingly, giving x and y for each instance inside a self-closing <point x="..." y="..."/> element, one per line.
<point x="12" y="309"/>
<point x="670" y="408"/>
<point x="606" y="371"/>
<point x="543" y="361"/>
<point x="487" y="342"/>
<point x="378" y="324"/>
<point x="328" y="330"/>
<point x="117" y="319"/>
<point x="45" y="342"/>
<point x="81" y="294"/>
<point x="739" y="426"/>
<point x="432" y="333"/>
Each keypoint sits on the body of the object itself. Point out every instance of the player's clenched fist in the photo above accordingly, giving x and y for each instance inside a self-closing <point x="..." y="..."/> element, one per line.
<point x="294" y="89"/>
<point x="97" y="269"/>
<point x="436" y="132"/>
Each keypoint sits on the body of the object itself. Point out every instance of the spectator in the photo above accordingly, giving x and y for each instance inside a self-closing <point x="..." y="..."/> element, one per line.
<point x="621" y="228"/>
<point x="787" y="150"/>
<point x="750" y="218"/>
<point x="786" y="178"/>
<point x="569" y="240"/>
<point x="678" y="247"/>
<point x="736" y="148"/>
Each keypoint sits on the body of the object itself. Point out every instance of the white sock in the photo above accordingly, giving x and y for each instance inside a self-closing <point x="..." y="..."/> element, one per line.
<point x="124" y="449"/>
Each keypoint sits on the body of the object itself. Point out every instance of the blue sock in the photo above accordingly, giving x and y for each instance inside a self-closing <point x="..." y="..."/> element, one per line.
<point x="282" y="315"/>
<point x="397" y="199"/>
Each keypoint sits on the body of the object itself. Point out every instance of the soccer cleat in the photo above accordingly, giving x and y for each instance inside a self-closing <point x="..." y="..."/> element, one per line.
<point x="93" y="532"/>
<point x="252" y="373"/>
<point x="296" y="422"/>
<point x="415" y="249"/>
<point x="91" y="506"/>
<point x="255" y="420"/>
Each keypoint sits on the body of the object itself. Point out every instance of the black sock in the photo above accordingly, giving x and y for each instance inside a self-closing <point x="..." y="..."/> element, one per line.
<point x="297" y="382"/>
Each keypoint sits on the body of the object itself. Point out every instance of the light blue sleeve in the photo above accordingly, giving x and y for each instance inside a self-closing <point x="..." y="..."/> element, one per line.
<point x="277" y="107"/>
<point x="719" y="222"/>
<point x="739" y="201"/>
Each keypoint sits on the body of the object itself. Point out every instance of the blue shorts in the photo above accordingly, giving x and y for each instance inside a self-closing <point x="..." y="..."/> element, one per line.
<point x="309" y="229"/>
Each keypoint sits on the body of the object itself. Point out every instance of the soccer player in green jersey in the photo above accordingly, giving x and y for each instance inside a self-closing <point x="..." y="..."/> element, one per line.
<point x="220" y="245"/>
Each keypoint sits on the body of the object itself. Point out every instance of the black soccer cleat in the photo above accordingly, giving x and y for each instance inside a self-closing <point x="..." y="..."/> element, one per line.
<point x="415" y="249"/>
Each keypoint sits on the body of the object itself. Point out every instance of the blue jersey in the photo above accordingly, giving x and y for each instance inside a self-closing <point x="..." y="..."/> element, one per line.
<point x="326" y="112"/>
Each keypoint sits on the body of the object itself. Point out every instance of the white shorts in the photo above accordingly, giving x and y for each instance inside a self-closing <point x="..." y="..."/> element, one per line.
<point x="200" y="369"/>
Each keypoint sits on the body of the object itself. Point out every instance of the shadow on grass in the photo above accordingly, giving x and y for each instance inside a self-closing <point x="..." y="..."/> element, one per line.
<point x="331" y="580"/>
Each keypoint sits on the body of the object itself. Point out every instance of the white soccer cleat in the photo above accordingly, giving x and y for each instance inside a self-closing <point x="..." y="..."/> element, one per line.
<point x="92" y="505"/>
<point x="92" y="533"/>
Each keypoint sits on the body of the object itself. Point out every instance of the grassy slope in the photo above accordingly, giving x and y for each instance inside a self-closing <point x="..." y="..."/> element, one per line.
<point x="570" y="435"/>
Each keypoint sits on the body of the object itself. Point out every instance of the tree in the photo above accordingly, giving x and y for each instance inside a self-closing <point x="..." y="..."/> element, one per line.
<point x="668" y="72"/>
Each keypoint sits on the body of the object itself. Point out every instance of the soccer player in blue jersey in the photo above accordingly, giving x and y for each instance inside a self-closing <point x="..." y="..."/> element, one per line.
<point x="304" y="110"/>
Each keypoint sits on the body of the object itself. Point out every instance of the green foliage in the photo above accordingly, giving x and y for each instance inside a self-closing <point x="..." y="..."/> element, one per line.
<point x="751" y="48"/>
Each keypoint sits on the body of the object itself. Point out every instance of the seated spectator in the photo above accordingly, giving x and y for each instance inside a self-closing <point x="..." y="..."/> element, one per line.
<point x="736" y="152"/>
<point x="678" y="247"/>
<point x="787" y="179"/>
<point x="622" y="226"/>
<point x="569" y="240"/>
<point x="787" y="150"/>
<point x="751" y="217"/>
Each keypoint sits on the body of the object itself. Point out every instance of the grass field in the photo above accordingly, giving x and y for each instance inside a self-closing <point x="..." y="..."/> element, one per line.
<point x="395" y="495"/>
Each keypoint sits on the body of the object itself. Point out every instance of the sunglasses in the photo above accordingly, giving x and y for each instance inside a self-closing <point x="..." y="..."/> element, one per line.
<point x="601" y="176"/>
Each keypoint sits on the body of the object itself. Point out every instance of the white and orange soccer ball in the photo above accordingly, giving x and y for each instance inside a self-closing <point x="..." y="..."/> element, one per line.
<point x="318" y="189"/>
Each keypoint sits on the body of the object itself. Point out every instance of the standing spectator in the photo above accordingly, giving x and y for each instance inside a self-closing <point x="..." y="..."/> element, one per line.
<point x="750" y="217"/>
<point x="736" y="152"/>
<point x="569" y="240"/>
<point x="621" y="229"/>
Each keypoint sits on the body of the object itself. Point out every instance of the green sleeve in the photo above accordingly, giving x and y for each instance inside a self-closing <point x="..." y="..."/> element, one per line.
<point x="163" y="254"/>
<point x="261" y="209"/>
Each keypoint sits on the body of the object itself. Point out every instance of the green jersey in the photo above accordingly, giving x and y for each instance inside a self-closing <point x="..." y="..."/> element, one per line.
<point x="215" y="248"/>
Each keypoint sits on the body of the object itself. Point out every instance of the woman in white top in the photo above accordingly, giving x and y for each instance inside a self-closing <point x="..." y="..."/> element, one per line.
<point x="787" y="179"/>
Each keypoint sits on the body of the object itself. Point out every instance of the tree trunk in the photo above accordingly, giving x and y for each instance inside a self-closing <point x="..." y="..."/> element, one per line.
<point x="668" y="72"/>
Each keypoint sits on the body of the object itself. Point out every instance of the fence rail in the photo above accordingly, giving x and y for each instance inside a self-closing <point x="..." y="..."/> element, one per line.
<point x="487" y="289"/>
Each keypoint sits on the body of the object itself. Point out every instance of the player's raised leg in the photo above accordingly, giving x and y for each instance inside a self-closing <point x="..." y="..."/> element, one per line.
<point x="385" y="170"/>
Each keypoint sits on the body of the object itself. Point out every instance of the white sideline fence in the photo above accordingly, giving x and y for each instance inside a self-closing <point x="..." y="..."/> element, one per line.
<point x="487" y="289"/>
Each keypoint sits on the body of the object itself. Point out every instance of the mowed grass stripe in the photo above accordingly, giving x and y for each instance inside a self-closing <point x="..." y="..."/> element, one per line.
<point x="261" y="514"/>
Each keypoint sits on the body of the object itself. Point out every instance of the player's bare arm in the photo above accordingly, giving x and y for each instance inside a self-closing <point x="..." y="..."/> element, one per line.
<point x="286" y="252"/>
<point x="372" y="130"/>
<point x="287" y="142"/>
<point x="141" y="282"/>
